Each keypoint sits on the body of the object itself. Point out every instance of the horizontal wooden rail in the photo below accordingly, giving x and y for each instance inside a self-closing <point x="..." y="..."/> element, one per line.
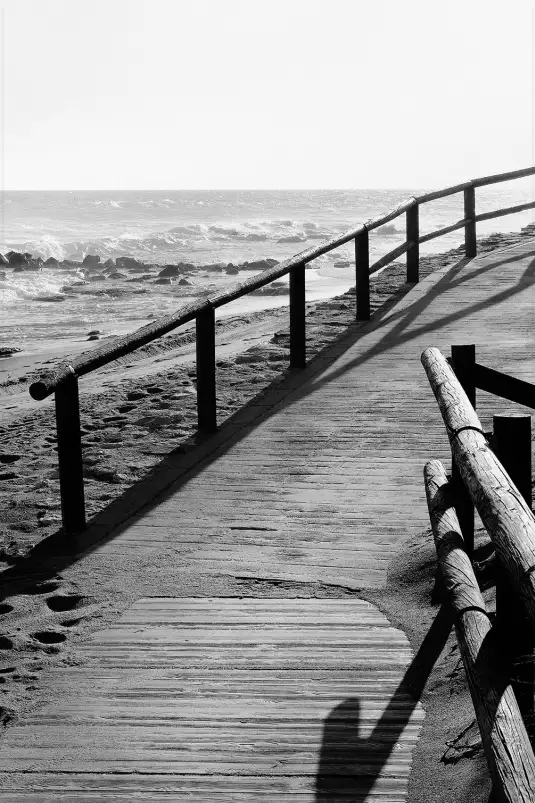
<point x="102" y="355"/>
<point x="498" y="177"/>
<point x="505" y="740"/>
<point x="501" y="507"/>
<point x="446" y="230"/>
<point x="502" y="212"/>
<point x="390" y="257"/>
<point x="375" y="223"/>
<point x="507" y="387"/>
<point x="434" y="196"/>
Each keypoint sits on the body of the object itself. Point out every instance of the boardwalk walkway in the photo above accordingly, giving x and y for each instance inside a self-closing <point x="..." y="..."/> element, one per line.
<point x="196" y="694"/>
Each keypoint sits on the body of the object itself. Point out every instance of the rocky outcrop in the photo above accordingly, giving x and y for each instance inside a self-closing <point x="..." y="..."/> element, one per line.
<point x="170" y="270"/>
<point x="16" y="258"/>
<point x="231" y="269"/>
<point x="91" y="259"/>
<point x="126" y="263"/>
<point x="51" y="262"/>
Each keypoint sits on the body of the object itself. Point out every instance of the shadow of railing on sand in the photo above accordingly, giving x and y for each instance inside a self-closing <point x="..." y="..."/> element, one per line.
<point x="60" y="550"/>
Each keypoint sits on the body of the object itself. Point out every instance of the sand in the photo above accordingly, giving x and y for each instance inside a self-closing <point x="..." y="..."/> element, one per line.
<point x="136" y="412"/>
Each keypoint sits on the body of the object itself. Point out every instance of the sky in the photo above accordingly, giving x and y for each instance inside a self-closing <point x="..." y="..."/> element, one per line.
<point x="264" y="94"/>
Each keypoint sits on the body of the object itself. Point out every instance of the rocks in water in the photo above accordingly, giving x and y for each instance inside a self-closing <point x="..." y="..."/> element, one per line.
<point x="260" y="264"/>
<point x="54" y="298"/>
<point x="125" y="263"/>
<point x="8" y="351"/>
<point x="170" y="270"/>
<point x="231" y="269"/>
<point x="94" y="337"/>
<point x="162" y="281"/>
<point x="4" y="260"/>
<point x="117" y="275"/>
<point x="185" y="282"/>
<point x="109" y="264"/>
<point x="344" y="263"/>
<point x="16" y="258"/>
<point x="94" y="332"/>
<point x="134" y="395"/>
<point x="51" y="262"/>
<point x="91" y="259"/>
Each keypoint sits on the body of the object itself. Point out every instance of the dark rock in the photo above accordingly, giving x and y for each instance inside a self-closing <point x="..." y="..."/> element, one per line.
<point x="134" y="395"/>
<point x="109" y="264"/>
<point x="260" y="264"/>
<point x="231" y="269"/>
<point x="52" y="262"/>
<point x="16" y="258"/>
<point x="124" y="263"/>
<point x="91" y="259"/>
<point x="4" y="260"/>
<point x="8" y="351"/>
<point x="94" y="332"/>
<point x="162" y="281"/>
<point x="51" y="298"/>
<point x="170" y="270"/>
<point x="185" y="282"/>
<point x="94" y="337"/>
<point x="117" y="275"/>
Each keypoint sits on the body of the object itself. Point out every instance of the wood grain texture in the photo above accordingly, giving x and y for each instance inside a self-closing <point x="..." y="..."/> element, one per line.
<point x="509" y="521"/>
<point x="507" y="747"/>
<point x="203" y="697"/>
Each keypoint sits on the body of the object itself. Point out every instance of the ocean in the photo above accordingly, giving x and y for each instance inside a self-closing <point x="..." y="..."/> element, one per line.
<point x="203" y="228"/>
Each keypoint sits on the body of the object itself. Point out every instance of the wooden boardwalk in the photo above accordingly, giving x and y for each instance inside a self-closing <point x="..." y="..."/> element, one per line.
<point x="229" y="699"/>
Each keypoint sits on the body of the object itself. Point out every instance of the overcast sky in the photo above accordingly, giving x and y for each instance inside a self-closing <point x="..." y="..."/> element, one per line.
<point x="187" y="94"/>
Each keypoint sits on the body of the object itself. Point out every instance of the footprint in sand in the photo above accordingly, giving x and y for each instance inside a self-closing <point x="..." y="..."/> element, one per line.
<point x="64" y="602"/>
<point x="5" y="643"/>
<point x="49" y="637"/>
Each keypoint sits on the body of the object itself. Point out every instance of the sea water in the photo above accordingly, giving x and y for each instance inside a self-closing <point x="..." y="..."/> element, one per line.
<point x="202" y="228"/>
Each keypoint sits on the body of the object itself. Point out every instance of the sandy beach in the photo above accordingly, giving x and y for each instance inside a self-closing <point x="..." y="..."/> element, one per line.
<point x="137" y="411"/>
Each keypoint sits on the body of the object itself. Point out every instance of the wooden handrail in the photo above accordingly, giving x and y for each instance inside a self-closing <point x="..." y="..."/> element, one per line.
<point x="498" y="177"/>
<point x="505" y="740"/>
<point x="202" y="311"/>
<point x="501" y="507"/>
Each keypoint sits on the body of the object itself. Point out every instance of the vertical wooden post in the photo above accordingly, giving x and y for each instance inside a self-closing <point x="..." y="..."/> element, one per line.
<point x="206" y="389"/>
<point x="512" y="444"/>
<point x="470" y="244"/>
<point x="463" y="360"/>
<point x="362" y="268"/>
<point x="297" y="318"/>
<point x="413" y="235"/>
<point x="71" y="477"/>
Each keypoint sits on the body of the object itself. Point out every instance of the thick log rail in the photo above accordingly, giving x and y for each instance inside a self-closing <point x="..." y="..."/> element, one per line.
<point x="203" y="310"/>
<point x="498" y="482"/>
<point x="505" y="740"/>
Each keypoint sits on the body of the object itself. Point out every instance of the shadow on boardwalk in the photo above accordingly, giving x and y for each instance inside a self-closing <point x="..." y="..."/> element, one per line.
<point x="343" y="749"/>
<point x="59" y="551"/>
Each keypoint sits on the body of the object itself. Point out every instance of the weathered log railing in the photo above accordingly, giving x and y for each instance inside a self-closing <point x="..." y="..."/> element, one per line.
<point x="64" y="380"/>
<point x="505" y="739"/>
<point x="500" y="658"/>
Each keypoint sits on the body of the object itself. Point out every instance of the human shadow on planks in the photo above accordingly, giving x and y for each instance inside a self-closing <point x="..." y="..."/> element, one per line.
<point x="349" y="765"/>
<point x="59" y="550"/>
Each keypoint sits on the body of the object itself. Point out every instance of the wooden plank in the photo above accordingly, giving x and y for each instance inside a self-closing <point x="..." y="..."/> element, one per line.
<point x="225" y="731"/>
